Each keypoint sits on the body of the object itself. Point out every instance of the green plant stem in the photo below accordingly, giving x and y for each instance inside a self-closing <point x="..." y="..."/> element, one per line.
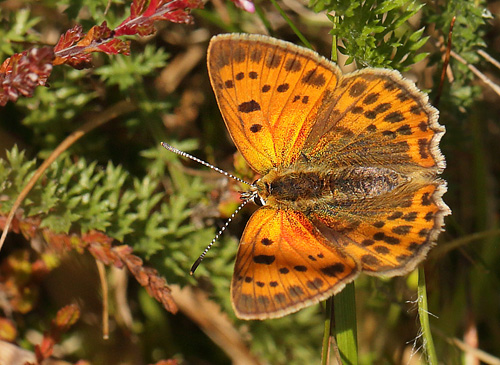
<point x="325" y="351"/>
<point x="423" y="314"/>
<point x="345" y="324"/>
<point x="335" y="22"/>
<point x="294" y="28"/>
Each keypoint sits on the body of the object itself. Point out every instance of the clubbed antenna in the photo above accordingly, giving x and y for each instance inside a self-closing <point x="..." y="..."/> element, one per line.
<point x="246" y="198"/>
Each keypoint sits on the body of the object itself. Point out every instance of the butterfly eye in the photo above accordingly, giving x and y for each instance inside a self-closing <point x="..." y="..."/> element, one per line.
<point x="259" y="201"/>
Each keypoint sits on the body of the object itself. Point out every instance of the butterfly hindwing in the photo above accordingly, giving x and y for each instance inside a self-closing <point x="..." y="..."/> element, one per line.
<point x="376" y="117"/>
<point x="387" y="234"/>
<point x="284" y="264"/>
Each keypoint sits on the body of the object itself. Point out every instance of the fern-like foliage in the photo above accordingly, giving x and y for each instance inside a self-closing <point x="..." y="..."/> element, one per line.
<point x="467" y="38"/>
<point x="78" y="198"/>
<point x="375" y="33"/>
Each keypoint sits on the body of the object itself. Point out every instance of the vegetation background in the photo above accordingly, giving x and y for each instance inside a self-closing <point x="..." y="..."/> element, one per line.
<point x="116" y="186"/>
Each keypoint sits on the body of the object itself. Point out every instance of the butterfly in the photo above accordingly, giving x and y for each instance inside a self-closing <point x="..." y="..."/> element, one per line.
<point x="349" y="167"/>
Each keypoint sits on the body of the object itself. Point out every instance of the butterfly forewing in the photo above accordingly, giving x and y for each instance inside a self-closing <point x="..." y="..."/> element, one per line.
<point x="269" y="92"/>
<point x="284" y="264"/>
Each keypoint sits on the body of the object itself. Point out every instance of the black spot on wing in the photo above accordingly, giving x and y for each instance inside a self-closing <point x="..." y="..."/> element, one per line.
<point x="264" y="259"/>
<point x="248" y="106"/>
<point x="314" y="77"/>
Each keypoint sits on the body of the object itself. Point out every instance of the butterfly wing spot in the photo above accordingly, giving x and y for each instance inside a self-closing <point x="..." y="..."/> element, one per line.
<point x="280" y="299"/>
<point x="367" y="242"/>
<point x="390" y="85"/>
<point x="266" y="88"/>
<point x="403" y="96"/>
<point x="273" y="60"/>
<point x="315" y="284"/>
<point x="239" y="55"/>
<point x="371" y="98"/>
<point x="394" y="117"/>
<point x="333" y="270"/>
<point x="229" y="84"/>
<point x="255" y="128"/>
<point x="382" y="249"/>
<point x="283" y="88"/>
<point x="284" y="270"/>
<point x="422" y="126"/>
<point x="295" y="291"/>
<point x="293" y="65"/>
<point x="249" y="106"/>
<point x="416" y="109"/>
<point x="370" y="260"/>
<point x="264" y="259"/>
<point x="253" y="75"/>
<point x="256" y="55"/>
<point x="239" y="76"/>
<point x="423" y="148"/>
<point x="266" y="241"/>
<point x="402" y="258"/>
<point x="381" y="108"/>
<point x="263" y="300"/>
<point x="305" y="99"/>
<point x="401" y="230"/>
<point x="300" y="268"/>
<point x="357" y="110"/>
<point x="357" y="89"/>
<point x="381" y="236"/>
<point x="404" y="130"/>
<point x="314" y="78"/>
<point x="395" y="215"/>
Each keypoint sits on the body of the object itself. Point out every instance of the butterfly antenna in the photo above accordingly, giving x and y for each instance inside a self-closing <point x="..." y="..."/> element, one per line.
<point x="191" y="157"/>
<point x="223" y="228"/>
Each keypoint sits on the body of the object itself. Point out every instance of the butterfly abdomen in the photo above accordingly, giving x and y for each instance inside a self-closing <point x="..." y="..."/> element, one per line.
<point x="301" y="186"/>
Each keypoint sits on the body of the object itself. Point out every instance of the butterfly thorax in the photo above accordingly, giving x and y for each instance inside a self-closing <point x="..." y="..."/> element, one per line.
<point x="300" y="186"/>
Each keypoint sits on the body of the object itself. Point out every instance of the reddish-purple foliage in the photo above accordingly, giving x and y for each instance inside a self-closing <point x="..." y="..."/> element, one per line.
<point x="23" y="72"/>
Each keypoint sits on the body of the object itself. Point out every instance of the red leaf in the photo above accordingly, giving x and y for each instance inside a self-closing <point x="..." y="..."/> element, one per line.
<point x="136" y="8"/>
<point x="23" y="72"/>
<point x="115" y="46"/>
<point x="66" y="317"/>
<point x="97" y="33"/>
<point x="45" y="349"/>
<point x="69" y="38"/>
<point x="141" y="20"/>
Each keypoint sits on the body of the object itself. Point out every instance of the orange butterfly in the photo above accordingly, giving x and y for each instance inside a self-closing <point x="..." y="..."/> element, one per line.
<point x="349" y="167"/>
